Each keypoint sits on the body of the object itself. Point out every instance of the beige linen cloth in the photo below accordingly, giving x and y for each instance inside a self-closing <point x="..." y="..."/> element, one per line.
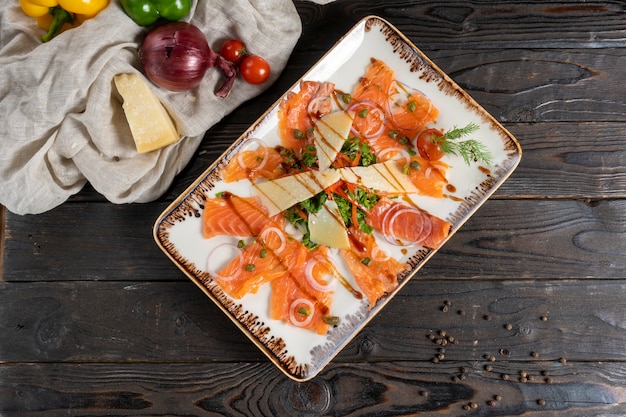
<point x="62" y="121"/>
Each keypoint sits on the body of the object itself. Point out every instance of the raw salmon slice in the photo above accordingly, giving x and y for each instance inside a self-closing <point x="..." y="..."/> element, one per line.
<point x="298" y="111"/>
<point x="375" y="272"/>
<point x="430" y="178"/>
<point x="410" y="111"/>
<point x="372" y="94"/>
<point x="298" y="300"/>
<point x="407" y="225"/>
<point x="375" y="84"/>
<point x="406" y="111"/>
<point x="272" y="255"/>
<point x="262" y="162"/>
<point x="232" y="215"/>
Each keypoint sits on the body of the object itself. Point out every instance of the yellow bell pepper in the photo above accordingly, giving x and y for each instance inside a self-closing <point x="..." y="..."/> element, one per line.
<point x="58" y="15"/>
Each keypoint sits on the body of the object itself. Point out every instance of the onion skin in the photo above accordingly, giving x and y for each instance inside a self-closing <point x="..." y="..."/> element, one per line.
<point x="175" y="56"/>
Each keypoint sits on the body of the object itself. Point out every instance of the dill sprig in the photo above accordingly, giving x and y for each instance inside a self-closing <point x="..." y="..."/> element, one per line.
<point x="471" y="150"/>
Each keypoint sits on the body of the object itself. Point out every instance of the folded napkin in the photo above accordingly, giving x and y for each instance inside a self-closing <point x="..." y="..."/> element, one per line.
<point x="63" y="124"/>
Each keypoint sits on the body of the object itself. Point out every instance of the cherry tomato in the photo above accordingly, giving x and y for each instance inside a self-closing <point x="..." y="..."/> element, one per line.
<point x="427" y="147"/>
<point x="254" y="69"/>
<point x="233" y="50"/>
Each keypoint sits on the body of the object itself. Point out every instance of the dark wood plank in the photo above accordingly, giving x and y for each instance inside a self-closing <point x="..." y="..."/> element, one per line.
<point x="82" y="241"/>
<point x="171" y="322"/>
<point x="512" y="239"/>
<point x="383" y="388"/>
<point x="583" y="161"/>
<point x="487" y="25"/>
<point x="565" y="238"/>
<point x="525" y="85"/>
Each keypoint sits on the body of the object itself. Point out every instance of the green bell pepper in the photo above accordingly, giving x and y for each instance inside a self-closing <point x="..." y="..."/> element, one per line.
<point x="147" y="12"/>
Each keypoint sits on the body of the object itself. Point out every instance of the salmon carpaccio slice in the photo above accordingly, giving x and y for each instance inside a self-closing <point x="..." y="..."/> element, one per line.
<point x="264" y="162"/>
<point x="430" y="178"/>
<point x="296" y="301"/>
<point x="232" y="215"/>
<point x="408" y="225"/>
<point x="297" y="112"/>
<point x="271" y="256"/>
<point x="406" y="111"/>
<point x="377" y="277"/>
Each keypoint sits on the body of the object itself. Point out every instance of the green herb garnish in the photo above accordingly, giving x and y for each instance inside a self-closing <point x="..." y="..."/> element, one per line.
<point x="470" y="150"/>
<point x="296" y="216"/>
<point x="315" y="203"/>
<point x="309" y="157"/>
<point x="364" y="201"/>
<point x="353" y="147"/>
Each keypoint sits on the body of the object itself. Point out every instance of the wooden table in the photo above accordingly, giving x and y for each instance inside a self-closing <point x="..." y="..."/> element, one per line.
<point x="95" y="320"/>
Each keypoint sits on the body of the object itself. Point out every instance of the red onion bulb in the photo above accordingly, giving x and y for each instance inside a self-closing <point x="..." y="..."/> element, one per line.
<point x="175" y="56"/>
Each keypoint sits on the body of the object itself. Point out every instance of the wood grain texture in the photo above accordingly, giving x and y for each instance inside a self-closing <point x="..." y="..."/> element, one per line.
<point x="358" y="389"/>
<point x="520" y="313"/>
<point x="486" y="24"/>
<point x="175" y="321"/>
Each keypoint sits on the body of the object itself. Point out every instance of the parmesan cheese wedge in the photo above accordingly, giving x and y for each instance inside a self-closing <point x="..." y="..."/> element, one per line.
<point x="150" y="124"/>
<point x="330" y="133"/>
<point x="384" y="176"/>
<point x="280" y="194"/>
<point x="327" y="227"/>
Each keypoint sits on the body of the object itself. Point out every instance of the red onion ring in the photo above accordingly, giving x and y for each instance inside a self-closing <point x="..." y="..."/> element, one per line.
<point x="235" y="273"/>
<point x="281" y="235"/>
<point x="372" y="107"/>
<point x="379" y="255"/>
<point x="293" y="311"/>
<point x="262" y="145"/>
<point x="385" y="224"/>
<point x="433" y="169"/>
<point x="389" y="233"/>
<point x="308" y="273"/>
<point x="311" y="109"/>
<point x="427" y="227"/>
<point x="400" y="152"/>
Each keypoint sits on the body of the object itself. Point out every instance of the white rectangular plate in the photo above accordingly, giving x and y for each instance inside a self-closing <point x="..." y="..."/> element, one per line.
<point x="302" y="354"/>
